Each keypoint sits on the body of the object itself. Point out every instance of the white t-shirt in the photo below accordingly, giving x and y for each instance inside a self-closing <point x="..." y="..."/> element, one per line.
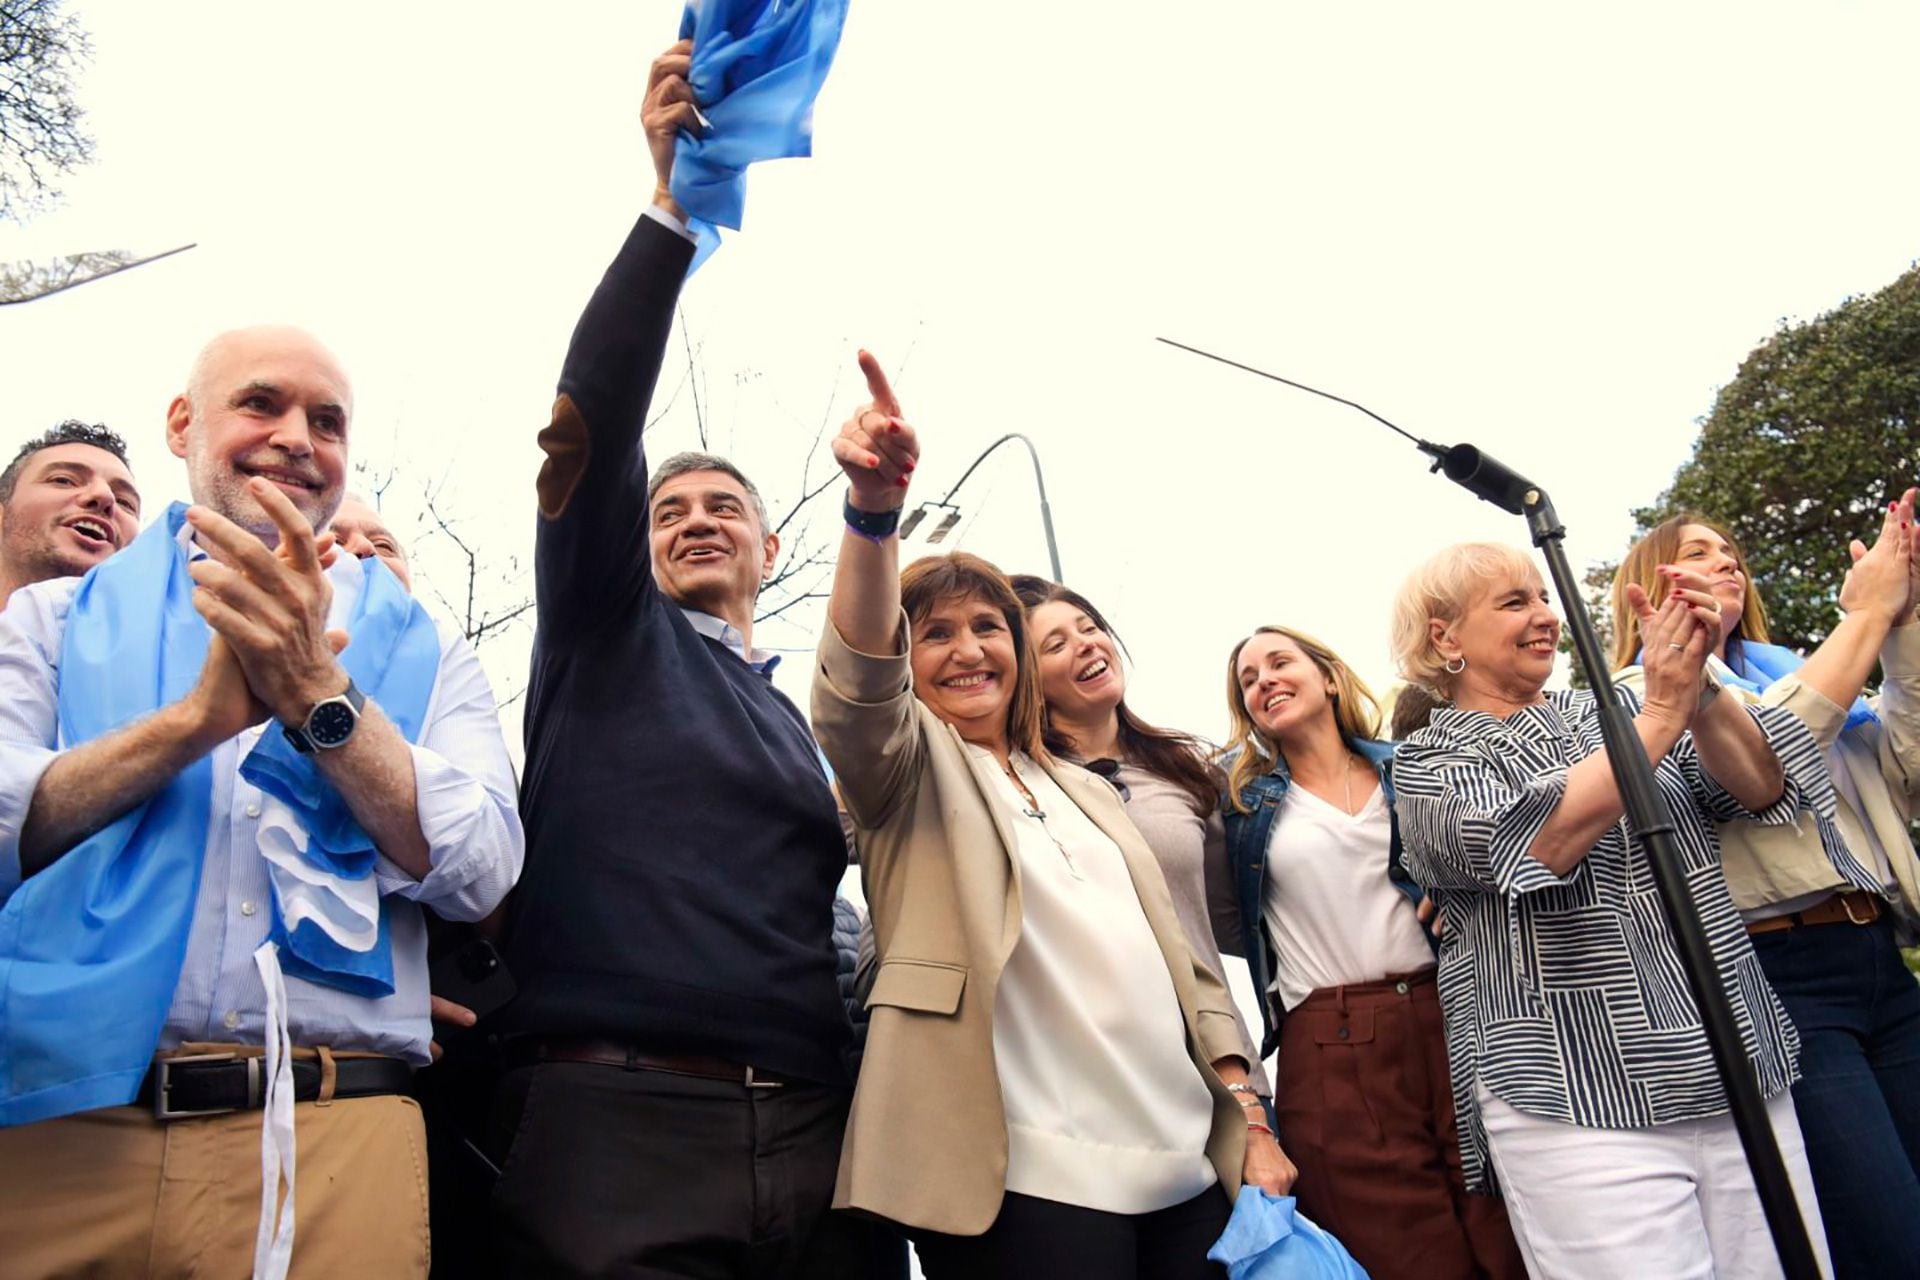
<point x="1331" y="912"/>
<point x="1104" y="1108"/>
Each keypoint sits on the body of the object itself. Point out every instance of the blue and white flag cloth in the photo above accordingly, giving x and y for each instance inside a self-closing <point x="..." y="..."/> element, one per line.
<point x="91" y="947"/>
<point x="757" y="67"/>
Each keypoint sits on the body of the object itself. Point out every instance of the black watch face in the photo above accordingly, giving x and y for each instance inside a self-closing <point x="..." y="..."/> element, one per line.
<point x="331" y="724"/>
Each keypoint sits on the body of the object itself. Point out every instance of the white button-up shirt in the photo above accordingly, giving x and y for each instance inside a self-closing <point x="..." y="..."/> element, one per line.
<point x="466" y="807"/>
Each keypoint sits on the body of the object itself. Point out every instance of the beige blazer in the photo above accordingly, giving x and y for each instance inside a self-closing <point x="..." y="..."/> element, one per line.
<point x="1765" y="865"/>
<point x="926" y="1145"/>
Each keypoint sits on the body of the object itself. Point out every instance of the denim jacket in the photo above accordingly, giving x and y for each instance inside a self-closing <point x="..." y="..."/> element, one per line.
<point x="1247" y="835"/>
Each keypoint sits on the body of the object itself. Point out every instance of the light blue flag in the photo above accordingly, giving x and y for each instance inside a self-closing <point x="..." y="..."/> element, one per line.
<point x="757" y="67"/>
<point x="1267" y="1239"/>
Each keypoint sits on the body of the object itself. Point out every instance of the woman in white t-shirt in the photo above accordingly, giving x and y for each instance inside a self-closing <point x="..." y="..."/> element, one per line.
<point x="1315" y="899"/>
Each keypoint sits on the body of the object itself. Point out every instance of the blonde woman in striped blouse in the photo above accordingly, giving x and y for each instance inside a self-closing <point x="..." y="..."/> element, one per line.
<point x="1582" y="1076"/>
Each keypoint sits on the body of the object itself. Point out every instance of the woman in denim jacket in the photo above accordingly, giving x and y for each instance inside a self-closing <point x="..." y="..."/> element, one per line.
<point x="1313" y="896"/>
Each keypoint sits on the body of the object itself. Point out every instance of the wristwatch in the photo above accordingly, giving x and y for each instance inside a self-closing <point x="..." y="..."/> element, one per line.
<point x="329" y="724"/>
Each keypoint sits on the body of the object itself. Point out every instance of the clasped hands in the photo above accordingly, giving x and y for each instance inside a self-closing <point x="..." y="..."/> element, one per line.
<point x="271" y="652"/>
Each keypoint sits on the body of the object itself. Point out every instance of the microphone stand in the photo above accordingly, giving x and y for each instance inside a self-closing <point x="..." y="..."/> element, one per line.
<point x="1652" y="826"/>
<point x="1647" y="818"/>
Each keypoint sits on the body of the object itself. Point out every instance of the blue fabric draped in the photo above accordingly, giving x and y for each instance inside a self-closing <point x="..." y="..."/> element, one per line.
<point x="91" y="946"/>
<point x="1755" y="667"/>
<point x="1266" y="1239"/>
<point x="757" y="67"/>
<point x="393" y="658"/>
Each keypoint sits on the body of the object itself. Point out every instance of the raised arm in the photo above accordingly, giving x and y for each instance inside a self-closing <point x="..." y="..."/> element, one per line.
<point x="1877" y="597"/>
<point x="863" y="702"/>
<point x="592" y="539"/>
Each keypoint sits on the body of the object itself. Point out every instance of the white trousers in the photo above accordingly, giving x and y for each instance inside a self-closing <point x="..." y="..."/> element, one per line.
<point x="1671" y="1202"/>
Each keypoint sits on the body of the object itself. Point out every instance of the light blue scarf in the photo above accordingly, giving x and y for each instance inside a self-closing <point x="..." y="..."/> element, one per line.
<point x="1756" y="666"/>
<point x="757" y="67"/>
<point x="91" y="947"/>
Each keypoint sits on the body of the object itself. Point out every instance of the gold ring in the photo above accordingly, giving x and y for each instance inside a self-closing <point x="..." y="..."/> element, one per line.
<point x="1672" y="645"/>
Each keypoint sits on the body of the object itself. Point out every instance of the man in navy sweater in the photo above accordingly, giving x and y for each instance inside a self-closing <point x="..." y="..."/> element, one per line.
<point x="678" y="1087"/>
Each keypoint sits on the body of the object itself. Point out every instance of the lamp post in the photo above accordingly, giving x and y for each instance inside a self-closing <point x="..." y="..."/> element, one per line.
<point x="952" y="512"/>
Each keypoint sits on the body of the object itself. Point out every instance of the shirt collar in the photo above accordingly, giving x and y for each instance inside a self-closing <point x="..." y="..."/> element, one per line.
<point x="761" y="660"/>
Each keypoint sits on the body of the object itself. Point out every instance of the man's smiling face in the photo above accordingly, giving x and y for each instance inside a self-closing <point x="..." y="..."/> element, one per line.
<point x="72" y="506"/>
<point x="709" y="552"/>
<point x="267" y="402"/>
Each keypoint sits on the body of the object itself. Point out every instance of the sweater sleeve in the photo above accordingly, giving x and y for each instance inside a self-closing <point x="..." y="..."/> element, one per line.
<point x="591" y="549"/>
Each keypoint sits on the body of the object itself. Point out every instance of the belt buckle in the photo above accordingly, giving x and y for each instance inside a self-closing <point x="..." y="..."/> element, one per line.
<point x="1846" y="905"/>
<point x="762" y="1084"/>
<point x="163" y="1082"/>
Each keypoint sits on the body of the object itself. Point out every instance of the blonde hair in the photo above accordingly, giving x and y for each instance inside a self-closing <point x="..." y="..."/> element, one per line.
<point x="960" y="575"/>
<point x="1658" y="546"/>
<point x="1440" y="589"/>
<point x="1355" y="710"/>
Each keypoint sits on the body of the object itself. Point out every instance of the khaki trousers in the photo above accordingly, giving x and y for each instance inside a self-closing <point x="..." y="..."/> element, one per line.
<point x="115" y="1193"/>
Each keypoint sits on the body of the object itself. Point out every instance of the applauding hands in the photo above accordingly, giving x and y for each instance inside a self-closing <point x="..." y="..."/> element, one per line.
<point x="876" y="447"/>
<point x="1885" y="578"/>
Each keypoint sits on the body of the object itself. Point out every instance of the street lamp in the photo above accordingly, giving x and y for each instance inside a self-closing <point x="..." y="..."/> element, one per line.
<point x="951" y="516"/>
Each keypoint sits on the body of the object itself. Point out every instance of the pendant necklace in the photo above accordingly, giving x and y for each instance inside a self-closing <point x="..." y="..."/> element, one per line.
<point x="1034" y="811"/>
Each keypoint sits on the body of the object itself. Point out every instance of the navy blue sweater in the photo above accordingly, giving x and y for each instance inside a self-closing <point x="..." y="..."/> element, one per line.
<point x="682" y="844"/>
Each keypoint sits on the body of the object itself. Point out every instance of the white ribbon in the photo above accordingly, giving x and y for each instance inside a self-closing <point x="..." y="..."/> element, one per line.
<point x="273" y="1249"/>
<point x="347" y="911"/>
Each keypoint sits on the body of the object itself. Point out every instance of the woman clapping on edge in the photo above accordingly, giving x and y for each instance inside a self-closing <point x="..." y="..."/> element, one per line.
<point x="1049" y="1080"/>
<point x="1581" y="1072"/>
<point x="1329" y="925"/>
<point x="1823" y="911"/>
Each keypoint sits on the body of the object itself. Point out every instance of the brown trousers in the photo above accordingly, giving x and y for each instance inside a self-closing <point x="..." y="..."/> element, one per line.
<point x="1366" y="1113"/>
<point x="116" y="1193"/>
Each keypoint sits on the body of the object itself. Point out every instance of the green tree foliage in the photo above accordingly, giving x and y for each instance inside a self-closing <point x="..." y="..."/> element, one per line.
<point x="42" y="132"/>
<point x="1803" y="450"/>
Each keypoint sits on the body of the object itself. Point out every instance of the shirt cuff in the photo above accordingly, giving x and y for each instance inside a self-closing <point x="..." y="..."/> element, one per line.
<point x="1509" y="848"/>
<point x="671" y="223"/>
<point x="475" y="843"/>
<point x="21" y="767"/>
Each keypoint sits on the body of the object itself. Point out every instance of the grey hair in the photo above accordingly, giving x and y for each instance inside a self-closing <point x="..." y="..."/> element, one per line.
<point x="692" y="460"/>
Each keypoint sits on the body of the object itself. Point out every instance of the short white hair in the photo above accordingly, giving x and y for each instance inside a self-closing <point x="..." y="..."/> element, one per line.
<point x="1441" y="588"/>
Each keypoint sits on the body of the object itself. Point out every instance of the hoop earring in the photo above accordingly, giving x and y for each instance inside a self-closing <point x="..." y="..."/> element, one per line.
<point x="1453" y="670"/>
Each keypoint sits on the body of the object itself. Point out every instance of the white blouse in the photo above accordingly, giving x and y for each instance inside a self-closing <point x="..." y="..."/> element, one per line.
<point x="1104" y="1108"/>
<point x="1332" y="913"/>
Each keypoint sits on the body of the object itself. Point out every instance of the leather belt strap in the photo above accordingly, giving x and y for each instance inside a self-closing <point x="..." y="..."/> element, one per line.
<point x="629" y="1057"/>
<point x="206" y="1084"/>
<point x="1857" y="907"/>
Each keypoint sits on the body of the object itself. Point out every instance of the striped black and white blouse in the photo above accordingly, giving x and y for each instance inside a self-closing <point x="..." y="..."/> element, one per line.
<point x="1564" y="996"/>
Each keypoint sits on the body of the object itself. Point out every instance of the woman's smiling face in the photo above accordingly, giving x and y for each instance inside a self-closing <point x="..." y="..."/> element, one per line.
<point x="964" y="665"/>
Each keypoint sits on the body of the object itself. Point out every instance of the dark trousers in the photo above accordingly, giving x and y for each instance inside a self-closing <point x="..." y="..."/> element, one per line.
<point x="1034" y="1237"/>
<point x="1366" y="1114"/>
<point x="1858" y="1011"/>
<point x="616" y="1173"/>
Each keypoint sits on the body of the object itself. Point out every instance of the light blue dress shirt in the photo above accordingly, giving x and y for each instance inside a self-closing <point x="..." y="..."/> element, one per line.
<point x="467" y="811"/>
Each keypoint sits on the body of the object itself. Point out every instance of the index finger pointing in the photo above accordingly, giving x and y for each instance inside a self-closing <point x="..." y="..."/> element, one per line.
<point x="877" y="387"/>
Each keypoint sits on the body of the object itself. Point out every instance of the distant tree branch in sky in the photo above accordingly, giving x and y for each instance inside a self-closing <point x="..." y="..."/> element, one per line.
<point x="42" y="128"/>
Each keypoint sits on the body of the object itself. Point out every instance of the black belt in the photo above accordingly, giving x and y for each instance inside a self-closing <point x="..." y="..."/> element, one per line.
<point x="209" y="1084"/>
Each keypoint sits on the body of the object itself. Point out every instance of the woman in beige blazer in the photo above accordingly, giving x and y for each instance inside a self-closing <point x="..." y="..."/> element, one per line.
<point x="1053" y="1085"/>
<point x="1828" y="903"/>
